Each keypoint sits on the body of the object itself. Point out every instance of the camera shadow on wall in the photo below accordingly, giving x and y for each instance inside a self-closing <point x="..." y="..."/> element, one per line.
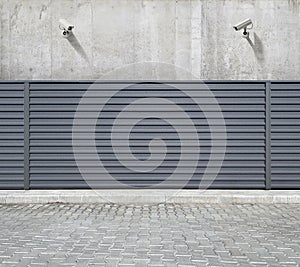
<point x="78" y="48"/>
<point x="258" y="47"/>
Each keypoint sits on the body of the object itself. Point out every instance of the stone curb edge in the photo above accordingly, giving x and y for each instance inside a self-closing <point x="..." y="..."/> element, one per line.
<point x="150" y="196"/>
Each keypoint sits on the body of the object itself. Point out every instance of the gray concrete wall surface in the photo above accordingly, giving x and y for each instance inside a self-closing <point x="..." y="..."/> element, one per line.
<point x="196" y="36"/>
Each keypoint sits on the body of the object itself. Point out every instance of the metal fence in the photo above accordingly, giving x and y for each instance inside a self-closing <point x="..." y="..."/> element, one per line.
<point x="261" y="120"/>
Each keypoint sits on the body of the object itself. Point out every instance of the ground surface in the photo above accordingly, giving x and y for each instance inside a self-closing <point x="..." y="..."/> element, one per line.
<point x="160" y="235"/>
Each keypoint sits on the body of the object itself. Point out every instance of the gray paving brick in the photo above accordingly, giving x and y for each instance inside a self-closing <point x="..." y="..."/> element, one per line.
<point x="158" y="235"/>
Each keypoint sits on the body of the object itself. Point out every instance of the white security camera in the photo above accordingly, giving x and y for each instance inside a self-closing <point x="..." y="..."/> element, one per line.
<point x="66" y="28"/>
<point x="245" y="25"/>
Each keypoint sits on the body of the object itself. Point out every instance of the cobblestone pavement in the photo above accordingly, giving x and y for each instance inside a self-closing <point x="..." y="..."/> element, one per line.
<point x="160" y="235"/>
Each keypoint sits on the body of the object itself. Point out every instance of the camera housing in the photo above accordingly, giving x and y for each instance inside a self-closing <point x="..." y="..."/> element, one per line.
<point x="66" y="28"/>
<point x="246" y="25"/>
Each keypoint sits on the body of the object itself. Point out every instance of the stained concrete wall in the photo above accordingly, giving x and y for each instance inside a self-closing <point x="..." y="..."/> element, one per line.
<point x="194" y="35"/>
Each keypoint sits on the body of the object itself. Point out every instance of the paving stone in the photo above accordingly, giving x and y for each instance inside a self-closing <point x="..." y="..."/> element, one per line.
<point x="149" y="235"/>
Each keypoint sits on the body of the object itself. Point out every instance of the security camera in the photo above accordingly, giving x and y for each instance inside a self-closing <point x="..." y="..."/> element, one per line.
<point x="245" y="25"/>
<point x="65" y="25"/>
<point x="66" y="28"/>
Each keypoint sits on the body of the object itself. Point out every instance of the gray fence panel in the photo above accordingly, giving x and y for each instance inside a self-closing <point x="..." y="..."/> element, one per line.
<point x="11" y="135"/>
<point x="48" y="134"/>
<point x="285" y="133"/>
<point x="244" y="164"/>
<point x="52" y="109"/>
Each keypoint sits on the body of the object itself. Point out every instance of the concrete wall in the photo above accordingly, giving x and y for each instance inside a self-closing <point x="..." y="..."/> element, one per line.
<point x="195" y="35"/>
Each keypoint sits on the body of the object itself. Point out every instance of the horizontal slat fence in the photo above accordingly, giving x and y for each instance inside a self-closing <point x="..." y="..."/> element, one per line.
<point x="285" y="133"/>
<point x="262" y="128"/>
<point x="11" y="135"/>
